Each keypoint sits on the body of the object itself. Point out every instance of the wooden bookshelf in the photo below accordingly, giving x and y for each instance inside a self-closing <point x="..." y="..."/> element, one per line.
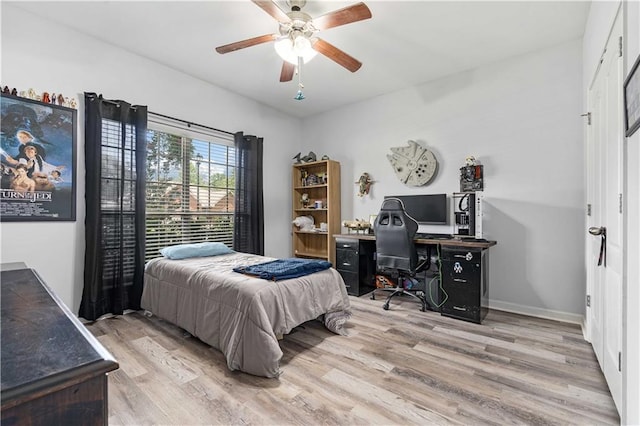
<point x="321" y="181"/>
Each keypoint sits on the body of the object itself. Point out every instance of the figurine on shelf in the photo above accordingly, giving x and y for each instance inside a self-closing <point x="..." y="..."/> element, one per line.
<point x="53" y="98"/>
<point x="304" y="199"/>
<point x="303" y="177"/>
<point x="312" y="179"/>
<point x="46" y="98"/>
<point x="358" y="225"/>
<point x="310" y="157"/>
<point x="471" y="175"/>
<point x="6" y="90"/>
<point x="304" y="223"/>
<point x="72" y="103"/>
<point x="14" y="91"/>
<point x="60" y="99"/>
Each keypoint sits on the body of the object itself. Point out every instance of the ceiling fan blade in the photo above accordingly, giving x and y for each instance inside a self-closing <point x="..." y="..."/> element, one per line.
<point x="232" y="47"/>
<point x="347" y="15"/>
<point x="287" y="71"/>
<point x="272" y="9"/>
<point x="337" y="55"/>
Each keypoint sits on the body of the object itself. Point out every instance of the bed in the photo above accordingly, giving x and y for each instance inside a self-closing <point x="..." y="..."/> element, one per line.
<point x="238" y="314"/>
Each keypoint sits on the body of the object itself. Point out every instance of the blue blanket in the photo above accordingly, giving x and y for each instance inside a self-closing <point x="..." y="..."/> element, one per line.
<point x="283" y="269"/>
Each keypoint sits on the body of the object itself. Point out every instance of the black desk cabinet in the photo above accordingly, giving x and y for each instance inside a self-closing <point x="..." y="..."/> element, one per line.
<point x="53" y="369"/>
<point x="465" y="281"/>
<point x="464" y="266"/>
<point x="354" y="261"/>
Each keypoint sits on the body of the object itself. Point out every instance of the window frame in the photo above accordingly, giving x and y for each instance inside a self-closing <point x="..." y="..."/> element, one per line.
<point x="184" y="224"/>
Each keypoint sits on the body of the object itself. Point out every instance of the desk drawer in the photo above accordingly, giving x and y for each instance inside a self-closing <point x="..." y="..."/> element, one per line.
<point x="470" y="255"/>
<point x="347" y="260"/>
<point x="347" y="244"/>
<point x="461" y="311"/>
<point x="462" y="293"/>
<point x="350" y="282"/>
<point x="467" y="282"/>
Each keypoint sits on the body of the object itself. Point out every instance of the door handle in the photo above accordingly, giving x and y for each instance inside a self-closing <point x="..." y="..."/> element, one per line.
<point x="602" y="232"/>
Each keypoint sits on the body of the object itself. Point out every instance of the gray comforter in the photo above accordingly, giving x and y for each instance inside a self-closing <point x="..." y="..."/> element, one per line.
<point x="239" y="314"/>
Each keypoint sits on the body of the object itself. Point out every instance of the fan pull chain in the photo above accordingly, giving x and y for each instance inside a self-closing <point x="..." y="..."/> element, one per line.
<point x="299" y="96"/>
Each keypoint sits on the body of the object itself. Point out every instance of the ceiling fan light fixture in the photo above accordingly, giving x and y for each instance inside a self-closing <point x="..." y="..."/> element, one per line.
<point x="301" y="45"/>
<point x="290" y="49"/>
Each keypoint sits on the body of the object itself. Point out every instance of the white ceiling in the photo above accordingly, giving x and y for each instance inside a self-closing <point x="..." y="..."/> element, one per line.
<point x="404" y="44"/>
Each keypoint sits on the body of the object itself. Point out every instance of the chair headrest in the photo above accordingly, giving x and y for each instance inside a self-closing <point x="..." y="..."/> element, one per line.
<point x="392" y="204"/>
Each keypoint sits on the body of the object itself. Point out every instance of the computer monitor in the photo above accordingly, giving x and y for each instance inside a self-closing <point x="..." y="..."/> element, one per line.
<point x="426" y="209"/>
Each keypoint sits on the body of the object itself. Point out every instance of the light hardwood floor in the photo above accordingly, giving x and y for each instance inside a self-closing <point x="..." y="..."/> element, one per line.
<point x="399" y="367"/>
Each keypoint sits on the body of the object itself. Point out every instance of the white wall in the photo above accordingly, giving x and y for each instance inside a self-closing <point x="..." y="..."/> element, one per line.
<point x="48" y="57"/>
<point x="521" y="119"/>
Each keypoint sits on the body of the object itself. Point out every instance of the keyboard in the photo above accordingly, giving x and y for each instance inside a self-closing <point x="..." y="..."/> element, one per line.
<point x="430" y="236"/>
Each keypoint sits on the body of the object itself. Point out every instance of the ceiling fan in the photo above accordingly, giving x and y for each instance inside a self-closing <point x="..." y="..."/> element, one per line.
<point x="296" y="40"/>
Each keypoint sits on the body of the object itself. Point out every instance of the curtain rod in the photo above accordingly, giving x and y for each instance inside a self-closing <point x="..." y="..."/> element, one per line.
<point x="109" y="101"/>
<point x="189" y="123"/>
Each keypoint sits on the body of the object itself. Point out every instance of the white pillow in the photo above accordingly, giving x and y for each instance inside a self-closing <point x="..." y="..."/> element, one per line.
<point x="184" y="251"/>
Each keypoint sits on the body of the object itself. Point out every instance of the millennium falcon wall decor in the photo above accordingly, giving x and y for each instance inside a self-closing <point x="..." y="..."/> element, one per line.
<point x="414" y="165"/>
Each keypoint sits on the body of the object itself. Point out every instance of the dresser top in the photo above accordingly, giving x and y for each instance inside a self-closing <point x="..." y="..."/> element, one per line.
<point x="43" y="344"/>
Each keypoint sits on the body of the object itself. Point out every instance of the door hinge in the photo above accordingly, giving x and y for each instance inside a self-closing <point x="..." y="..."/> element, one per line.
<point x="588" y="300"/>
<point x="588" y="209"/>
<point x="620" y="46"/>
<point x="619" y="361"/>
<point x="620" y="203"/>
<point x="588" y="115"/>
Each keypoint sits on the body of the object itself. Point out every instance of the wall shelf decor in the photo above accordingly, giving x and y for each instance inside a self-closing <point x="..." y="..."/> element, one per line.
<point x="414" y="165"/>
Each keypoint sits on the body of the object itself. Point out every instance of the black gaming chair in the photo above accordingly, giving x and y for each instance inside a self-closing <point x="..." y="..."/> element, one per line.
<point x="396" y="253"/>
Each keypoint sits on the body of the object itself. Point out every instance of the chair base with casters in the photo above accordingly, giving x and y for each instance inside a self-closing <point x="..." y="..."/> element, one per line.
<point x="399" y="289"/>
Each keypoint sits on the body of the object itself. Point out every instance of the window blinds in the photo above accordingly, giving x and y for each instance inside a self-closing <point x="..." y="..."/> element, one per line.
<point x="190" y="184"/>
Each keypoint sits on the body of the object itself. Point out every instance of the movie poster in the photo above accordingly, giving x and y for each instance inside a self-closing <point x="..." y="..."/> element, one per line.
<point x="38" y="159"/>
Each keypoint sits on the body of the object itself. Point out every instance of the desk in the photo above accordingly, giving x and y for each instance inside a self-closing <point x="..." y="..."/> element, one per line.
<point x="464" y="271"/>
<point x="53" y="370"/>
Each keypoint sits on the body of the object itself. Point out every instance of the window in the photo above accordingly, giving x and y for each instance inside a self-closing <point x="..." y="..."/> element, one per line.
<point x="118" y="201"/>
<point x="190" y="185"/>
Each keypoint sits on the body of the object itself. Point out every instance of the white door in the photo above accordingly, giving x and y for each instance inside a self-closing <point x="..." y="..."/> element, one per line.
<point x="604" y="193"/>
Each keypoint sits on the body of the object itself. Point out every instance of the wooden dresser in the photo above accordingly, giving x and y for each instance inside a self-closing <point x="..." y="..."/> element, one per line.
<point x="54" y="371"/>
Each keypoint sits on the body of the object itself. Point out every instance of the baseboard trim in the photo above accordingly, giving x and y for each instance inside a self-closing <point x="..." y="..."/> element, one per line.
<point x="537" y="312"/>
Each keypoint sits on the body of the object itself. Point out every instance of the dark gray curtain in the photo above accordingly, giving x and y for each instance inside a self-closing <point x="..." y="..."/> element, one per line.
<point x="248" y="235"/>
<point x="115" y="153"/>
